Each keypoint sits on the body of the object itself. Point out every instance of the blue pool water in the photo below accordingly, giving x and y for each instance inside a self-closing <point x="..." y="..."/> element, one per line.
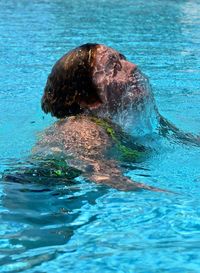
<point x="83" y="227"/>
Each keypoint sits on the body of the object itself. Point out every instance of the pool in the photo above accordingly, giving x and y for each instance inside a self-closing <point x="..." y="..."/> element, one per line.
<point x="82" y="227"/>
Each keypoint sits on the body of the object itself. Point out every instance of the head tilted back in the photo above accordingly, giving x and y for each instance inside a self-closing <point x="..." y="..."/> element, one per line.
<point x="69" y="88"/>
<point x="94" y="79"/>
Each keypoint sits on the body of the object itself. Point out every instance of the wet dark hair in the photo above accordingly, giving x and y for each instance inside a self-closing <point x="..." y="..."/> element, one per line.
<point x="69" y="85"/>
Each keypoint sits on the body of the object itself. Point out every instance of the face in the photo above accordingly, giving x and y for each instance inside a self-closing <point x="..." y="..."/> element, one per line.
<point x="119" y="82"/>
<point x="124" y="91"/>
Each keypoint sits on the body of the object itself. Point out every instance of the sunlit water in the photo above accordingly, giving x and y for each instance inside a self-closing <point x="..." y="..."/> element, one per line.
<point x="79" y="226"/>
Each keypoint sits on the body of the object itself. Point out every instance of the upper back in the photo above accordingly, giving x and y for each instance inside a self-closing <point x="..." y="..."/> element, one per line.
<point x="78" y="136"/>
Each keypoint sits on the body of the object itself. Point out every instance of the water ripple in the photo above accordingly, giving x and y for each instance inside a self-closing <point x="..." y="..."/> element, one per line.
<point x="80" y="226"/>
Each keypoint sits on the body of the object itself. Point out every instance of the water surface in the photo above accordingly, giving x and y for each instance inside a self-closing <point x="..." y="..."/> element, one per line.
<point x="80" y="226"/>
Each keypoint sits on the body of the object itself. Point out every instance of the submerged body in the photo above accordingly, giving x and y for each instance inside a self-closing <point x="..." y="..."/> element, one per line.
<point x="94" y="146"/>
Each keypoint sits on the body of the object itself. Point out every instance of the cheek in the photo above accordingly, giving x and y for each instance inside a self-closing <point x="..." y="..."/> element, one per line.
<point x="109" y="68"/>
<point x="115" y="93"/>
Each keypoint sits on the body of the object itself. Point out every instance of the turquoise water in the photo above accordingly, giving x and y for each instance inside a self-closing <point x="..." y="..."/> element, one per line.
<point x="82" y="227"/>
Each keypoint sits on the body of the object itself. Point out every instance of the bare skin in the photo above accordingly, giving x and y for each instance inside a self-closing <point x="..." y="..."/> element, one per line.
<point x="85" y="145"/>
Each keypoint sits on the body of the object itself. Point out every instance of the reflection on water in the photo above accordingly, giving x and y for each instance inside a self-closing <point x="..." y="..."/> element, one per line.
<point x="40" y="212"/>
<point x="79" y="226"/>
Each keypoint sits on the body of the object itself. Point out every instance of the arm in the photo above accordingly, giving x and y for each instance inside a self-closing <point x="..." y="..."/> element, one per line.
<point x="110" y="174"/>
<point x="168" y="129"/>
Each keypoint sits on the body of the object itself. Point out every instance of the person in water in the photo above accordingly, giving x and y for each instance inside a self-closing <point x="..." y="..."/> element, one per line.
<point x="99" y="97"/>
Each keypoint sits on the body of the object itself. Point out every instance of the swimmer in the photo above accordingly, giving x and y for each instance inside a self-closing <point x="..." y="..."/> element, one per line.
<point x="100" y="98"/>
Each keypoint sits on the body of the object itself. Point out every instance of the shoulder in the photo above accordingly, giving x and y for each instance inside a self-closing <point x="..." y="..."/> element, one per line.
<point x="82" y="129"/>
<point x="78" y="135"/>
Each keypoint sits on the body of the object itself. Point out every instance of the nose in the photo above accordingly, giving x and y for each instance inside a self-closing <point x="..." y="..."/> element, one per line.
<point x="128" y="67"/>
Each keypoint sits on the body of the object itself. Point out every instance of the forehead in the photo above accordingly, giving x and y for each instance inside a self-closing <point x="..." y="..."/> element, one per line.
<point x="105" y="52"/>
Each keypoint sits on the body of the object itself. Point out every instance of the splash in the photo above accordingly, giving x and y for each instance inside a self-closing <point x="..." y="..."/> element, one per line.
<point x="138" y="117"/>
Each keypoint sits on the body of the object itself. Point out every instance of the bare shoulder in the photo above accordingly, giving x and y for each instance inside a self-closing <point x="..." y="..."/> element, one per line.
<point x="79" y="135"/>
